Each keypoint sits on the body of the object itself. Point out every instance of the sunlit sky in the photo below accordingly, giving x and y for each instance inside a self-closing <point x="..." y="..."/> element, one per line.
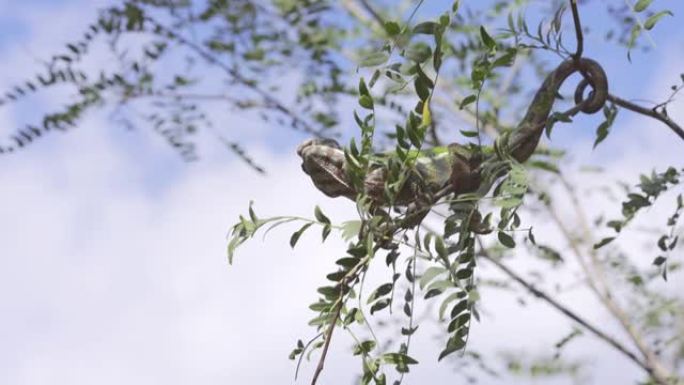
<point x="113" y="265"/>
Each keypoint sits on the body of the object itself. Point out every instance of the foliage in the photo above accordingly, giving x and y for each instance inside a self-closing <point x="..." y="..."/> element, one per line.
<point x="448" y="256"/>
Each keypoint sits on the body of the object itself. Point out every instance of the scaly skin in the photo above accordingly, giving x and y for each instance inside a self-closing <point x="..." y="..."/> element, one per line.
<point x="324" y="160"/>
<point x="526" y="137"/>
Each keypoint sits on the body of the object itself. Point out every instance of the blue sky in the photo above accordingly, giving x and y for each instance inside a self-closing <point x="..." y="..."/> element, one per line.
<point x="113" y="266"/>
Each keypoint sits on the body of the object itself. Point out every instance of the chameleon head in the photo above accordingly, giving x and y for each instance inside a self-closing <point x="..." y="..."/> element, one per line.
<point x="323" y="160"/>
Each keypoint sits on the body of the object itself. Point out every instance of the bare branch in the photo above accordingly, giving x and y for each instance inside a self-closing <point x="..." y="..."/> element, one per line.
<point x="648" y="112"/>
<point x="597" y="276"/>
<point x="578" y="30"/>
<point x="563" y="309"/>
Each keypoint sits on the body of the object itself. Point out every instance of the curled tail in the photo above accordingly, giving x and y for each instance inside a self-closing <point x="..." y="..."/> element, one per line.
<point x="524" y="140"/>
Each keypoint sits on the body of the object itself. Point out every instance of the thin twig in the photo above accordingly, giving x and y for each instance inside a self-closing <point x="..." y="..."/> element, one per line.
<point x="268" y="98"/>
<point x="301" y="355"/>
<point x="369" y="8"/>
<point x="328" y="337"/>
<point x="351" y="275"/>
<point x="597" y="276"/>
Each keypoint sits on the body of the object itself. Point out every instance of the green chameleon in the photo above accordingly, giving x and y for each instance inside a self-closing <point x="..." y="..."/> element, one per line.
<point x="454" y="167"/>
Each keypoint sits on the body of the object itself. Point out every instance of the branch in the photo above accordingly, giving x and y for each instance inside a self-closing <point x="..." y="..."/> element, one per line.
<point x="652" y="364"/>
<point x="369" y="8"/>
<point x="328" y="337"/>
<point x="563" y="309"/>
<point x="352" y="275"/>
<point x="653" y="113"/>
<point x="578" y="30"/>
<point x="270" y="100"/>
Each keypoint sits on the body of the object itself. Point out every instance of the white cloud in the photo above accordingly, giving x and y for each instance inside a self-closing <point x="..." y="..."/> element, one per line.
<point x="108" y="277"/>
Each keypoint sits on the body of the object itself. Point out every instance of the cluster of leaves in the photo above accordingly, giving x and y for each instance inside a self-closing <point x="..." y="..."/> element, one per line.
<point x="650" y="188"/>
<point x="249" y="45"/>
<point x="450" y="274"/>
<point x="449" y="258"/>
<point x="643" y="26"/>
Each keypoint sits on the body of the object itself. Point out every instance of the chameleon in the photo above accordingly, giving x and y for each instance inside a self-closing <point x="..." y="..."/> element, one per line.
<point x="455" y="167"/>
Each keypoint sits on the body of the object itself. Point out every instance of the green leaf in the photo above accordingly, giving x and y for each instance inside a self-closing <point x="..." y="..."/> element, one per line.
<point x="651" y="21"/>
<point x="444" y="20"/>
<point x="454" y="344"/>
<point x="546" y="166"/>
<point x="295" y="236"/>
<point x="320" y="306"/>
<point x="422" y="88"/>
<point x="458" y="322"/>
<point x="329" y="292"/>
<point x="408" y="332"/>
<point x="363" y="88"/>
<point x="427" y="28"/>
<point x="615" y="225"/>
<point x="440" y="247"/>
<point x="464" y="273"/>
<point x="548" y="253"/>
<point x="459" y="308"/>
<point x="530" y="235"/>
<point x="351" y="316"/>
<point x="445" y="303"/>
<point x="407" y="309"/>
<point x="418" y="52"/>
<point x="398" y="358"/>
<point x="641" y="5"/>
<point x="441" y="285"/>
<point x="364" y="347"/>
<point x="392" y="28"/>
<point x="232" y="245"/>
<point x="662" y="242"/>
<point x="374" y="59"/>
<point x="350" y="229"/>
<point x="427" y="115"/>
<point x="505" y="60"/>
<point x="325" y="232"/>
<point x="603" y="242"/>
<point x="633" y="35"/>
<point x="469" y="134"/>
<point x="380" y="291"/>
<point x="381" y="304"/>
<point x="467" y="100"/>
<point x="320" y="216"/>
<point x="506" y="239"/>
<point x="433" y="293"/>
<point x="602" y="132"/>
<point x="486" y="39"/>
<point x="366" y="102"/>
<point x="430" y="274"/>
<point x="347" y="262"/>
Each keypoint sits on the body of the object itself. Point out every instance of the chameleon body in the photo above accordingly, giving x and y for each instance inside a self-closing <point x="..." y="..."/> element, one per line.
<point x="324" y="161"/>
